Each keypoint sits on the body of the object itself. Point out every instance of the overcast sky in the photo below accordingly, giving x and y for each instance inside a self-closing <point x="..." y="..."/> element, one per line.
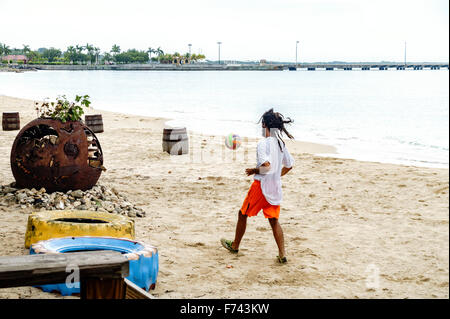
<point x="327" y="30"/>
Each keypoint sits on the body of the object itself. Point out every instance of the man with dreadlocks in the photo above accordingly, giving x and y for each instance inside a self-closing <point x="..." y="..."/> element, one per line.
<point x="273" y="161"/>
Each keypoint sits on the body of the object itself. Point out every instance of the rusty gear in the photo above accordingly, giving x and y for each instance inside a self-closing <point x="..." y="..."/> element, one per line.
<point x="57" y="156"/>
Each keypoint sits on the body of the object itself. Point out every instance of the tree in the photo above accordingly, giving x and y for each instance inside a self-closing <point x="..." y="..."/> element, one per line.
<point x="80" y="56"/>
<point x="26" y="49"/>
<point x="71" y="54"/>
<point x="165" y="58"/>
<point x="90" y="52"/>
<point x="196" y="57"/>
<point x="97" y="53"/>
<point x="115" y="49"/>
<point x="51" y="54"/>
<point x="131" y="56"/>
<point x="6" y="49"/>
<point x="34" y="56"/>
<point x="107" y="57"/>
<point x="150" y="51"/>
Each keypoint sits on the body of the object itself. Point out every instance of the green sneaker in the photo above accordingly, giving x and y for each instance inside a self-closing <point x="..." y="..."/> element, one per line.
<point x="282" y="260"/>
<point x="228" y="244"/>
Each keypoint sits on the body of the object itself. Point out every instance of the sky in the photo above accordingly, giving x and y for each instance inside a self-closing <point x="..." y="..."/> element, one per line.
<point x="327" y="30"/>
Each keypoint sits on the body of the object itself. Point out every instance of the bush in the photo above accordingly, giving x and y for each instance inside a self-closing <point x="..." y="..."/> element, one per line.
<point x="63" y="109"/>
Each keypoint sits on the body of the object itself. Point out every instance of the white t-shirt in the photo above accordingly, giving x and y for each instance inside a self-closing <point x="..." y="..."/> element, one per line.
<point x="268" y="150"/>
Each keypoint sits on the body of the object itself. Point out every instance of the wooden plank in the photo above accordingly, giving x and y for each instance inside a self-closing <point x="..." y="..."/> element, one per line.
<point x="40" y="269"/>
<point x="100" y="288"/>
<point x="135" y="292"/>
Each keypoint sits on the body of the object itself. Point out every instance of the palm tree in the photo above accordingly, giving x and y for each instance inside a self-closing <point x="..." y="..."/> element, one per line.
<point x="107" y="57"/>
<point x="187" y="58"/>
<point x="165" y="58"/>
<point x="90" y="49"/>
<point x="71" y="54"/>
<point x="97" y="52"/>
<point x="6" y="49"/>
<point x="159" y="51"/>
<point x="26" y="49"/>
<point x="115" y="49"/>
<point x="150" y="51"/>
<point x="79" y="48"/>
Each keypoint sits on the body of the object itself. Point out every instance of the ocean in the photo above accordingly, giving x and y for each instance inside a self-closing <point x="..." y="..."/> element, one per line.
<point x="386" y="116"/>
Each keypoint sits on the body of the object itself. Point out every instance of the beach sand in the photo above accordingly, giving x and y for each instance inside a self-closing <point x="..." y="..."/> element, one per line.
<point x="344" y="220"/>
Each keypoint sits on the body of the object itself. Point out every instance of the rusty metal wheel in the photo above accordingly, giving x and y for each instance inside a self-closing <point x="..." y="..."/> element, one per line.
<point x="57" y="156"/>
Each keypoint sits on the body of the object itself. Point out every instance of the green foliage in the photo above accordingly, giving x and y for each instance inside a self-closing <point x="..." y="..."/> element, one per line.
<point x="63" y="109"/>
<point x="35" y="57"/>
<point x="169" y="58"/>
<point x="165" y="58"/>
<point x="85" y="54"/>
<point x="51" y="54"/>
<point x="107" y="57"/>
<point x="131" y="56"/>
<point x="115" y="49"/>
<point x="4" y="49"/>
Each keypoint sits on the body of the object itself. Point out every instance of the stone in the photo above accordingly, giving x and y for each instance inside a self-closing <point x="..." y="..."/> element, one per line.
<point x="77" y="194"/>
<point x="100" y="198"/>
<point x="21" y="197"/>
<point x="60" y="205"/>
<point x="8" y="189"/>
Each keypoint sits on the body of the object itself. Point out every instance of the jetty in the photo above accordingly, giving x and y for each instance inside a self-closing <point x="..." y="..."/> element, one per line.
<point x="237" y="67"/>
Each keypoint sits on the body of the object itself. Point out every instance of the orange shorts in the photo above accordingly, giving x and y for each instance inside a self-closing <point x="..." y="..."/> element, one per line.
<point x="255" y="201"/>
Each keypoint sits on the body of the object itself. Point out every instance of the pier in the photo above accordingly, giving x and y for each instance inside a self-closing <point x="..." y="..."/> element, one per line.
<point x="366" y="66"/>
<point x="238" y="67"/>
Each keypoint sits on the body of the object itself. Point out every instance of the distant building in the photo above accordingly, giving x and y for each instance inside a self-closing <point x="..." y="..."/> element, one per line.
<point x="262" y="61"/>
<point x="15" y="58"/>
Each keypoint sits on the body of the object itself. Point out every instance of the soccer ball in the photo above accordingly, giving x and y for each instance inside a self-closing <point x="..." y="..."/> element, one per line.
<point x="232" y="141"/>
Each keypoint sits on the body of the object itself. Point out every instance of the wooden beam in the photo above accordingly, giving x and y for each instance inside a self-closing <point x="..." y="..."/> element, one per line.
<point x="41" y="269"/>
<point x="132" y="291"/>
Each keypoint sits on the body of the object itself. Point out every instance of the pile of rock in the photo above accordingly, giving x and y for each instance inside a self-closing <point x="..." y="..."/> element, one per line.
<point x="98" y="198"/>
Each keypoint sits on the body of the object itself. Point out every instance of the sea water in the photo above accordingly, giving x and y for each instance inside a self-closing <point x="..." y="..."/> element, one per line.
<point x="385" y="116"/>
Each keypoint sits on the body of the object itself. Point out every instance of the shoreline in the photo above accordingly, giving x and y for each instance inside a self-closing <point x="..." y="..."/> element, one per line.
<point x="363" y="66"/>
<point x="319" y="149"/>
<point x="407" y="146"/>
<point x="300" y="146"/>
<point x="339" y="217"/>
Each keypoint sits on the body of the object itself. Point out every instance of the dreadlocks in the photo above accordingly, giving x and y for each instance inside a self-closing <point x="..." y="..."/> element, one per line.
<point x="276" y="120"/>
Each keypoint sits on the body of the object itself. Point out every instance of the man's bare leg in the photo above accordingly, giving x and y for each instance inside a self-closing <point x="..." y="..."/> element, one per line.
<point x="278" y="234"/>
<point x="240" y="230"/>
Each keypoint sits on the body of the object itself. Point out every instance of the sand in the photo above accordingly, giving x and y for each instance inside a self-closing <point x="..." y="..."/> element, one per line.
<point x="345" y="221"/>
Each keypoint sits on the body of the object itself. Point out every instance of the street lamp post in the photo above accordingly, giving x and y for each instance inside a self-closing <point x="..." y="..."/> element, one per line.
<point x="296" y="43"/>
<point x="219" y="43"/>
<point x="405" y="54"/>
<point x="189" y="45"/>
